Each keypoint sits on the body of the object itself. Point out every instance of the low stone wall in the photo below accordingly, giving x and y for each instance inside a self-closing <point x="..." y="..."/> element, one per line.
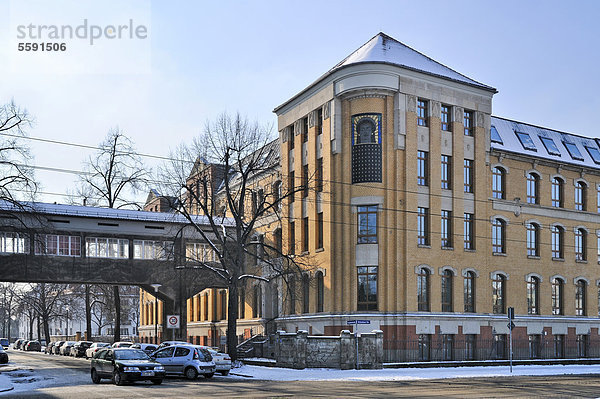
<point x="347" y="351"/>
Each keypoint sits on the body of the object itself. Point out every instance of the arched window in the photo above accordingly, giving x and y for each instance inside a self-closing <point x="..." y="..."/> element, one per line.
<point x="533" y="239"/>
<point x="557" y="192"/>
<point x="557" y="296"/>
<point x="498" y="294"/>
<point x="447" y="283"/>
<point x="469" y="292"/>
<point x="257" y="302"/>
<point x="423" y="290"/>
<point x="580" y="196"/>
<point x="292" y="294"/>
<point x="305" y="293"/>
<point x="580" y="244"/>
<point x="366" y="130"/>
<point x="498" y="183"/>
<point x="580" y="298"/>
<point x="533" y="292"/>
<point x="498" y="236"/>
<point x="533" y="188"/>
<point x="320" y="291"/>
<point x="557" y="242"/>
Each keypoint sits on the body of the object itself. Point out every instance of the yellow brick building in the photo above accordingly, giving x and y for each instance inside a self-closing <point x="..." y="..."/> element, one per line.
<point x="428" y="218"/>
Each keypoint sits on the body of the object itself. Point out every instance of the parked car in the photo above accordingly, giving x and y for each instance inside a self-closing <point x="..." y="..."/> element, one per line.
<point x="56" y="347"/>
<point x="122" y="344"/>
<point x="125" y="364"/>
<point x="222" y="360"/>
<point x="3" y="356"/>
<point x="187" y="360"/>
<point x="78" y="350"/>
<point x="33" y="346"/>
<point x="4" y="342"/>
<point x="148" y="348"/>
<point x="48" y="349"/>
<point x="16" y="344"/>
<point x="94" y="348"/>
<point x="65" y="349"/>
<point x="23" y="344"/>
<point x="171" y="343"/>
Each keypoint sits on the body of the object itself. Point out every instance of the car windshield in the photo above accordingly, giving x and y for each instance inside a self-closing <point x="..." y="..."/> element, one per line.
<point x="131" y="354"/>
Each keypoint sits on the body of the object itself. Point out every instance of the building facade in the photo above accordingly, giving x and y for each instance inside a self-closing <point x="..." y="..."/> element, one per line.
<point x="428" y="218"/>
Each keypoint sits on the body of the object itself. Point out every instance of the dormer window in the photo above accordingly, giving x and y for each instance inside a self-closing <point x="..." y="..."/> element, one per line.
<point x="526" y="141"/>
<point x="594" y="153"/>
<point x="550" y="146"/>
<point x="495" y="136"/>
<point x="573" y="151"/>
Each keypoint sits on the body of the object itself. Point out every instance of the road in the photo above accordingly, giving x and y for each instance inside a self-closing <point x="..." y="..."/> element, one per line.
<point x="63" y="377"/>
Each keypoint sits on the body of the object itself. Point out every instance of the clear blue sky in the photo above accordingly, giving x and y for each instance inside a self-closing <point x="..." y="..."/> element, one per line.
<point x="209" y="57"/>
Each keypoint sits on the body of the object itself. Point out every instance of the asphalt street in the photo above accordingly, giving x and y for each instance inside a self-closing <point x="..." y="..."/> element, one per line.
<point x="63" y="377"/>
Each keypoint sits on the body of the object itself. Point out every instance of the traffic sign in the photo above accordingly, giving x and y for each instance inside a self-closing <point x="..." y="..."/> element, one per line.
<point x="173" y="321"/>
<point x="511" y="326"/>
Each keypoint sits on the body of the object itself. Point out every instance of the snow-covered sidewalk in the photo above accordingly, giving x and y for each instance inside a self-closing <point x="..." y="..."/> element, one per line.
<point x="405" y="374"/>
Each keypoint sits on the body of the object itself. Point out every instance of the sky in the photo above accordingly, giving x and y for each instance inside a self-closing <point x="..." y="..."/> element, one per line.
<point x="200" y="59"/>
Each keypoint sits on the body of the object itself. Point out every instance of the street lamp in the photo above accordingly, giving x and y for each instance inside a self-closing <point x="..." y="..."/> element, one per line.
<point x="67" y="329"/>
<point x="156" y="287"/>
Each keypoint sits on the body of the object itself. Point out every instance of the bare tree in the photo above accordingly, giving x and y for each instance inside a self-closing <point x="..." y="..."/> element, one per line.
<point x="45" y="299"/>
<point x="16" y="176"/>
<point x="111" y="174"/>
<point x="233" y="159"/>
<point x="8" y="307"/>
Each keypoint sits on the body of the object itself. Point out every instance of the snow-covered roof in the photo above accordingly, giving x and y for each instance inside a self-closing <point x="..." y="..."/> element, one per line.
<point x="535" y="141"/>
<point x="385" y="49"/>
<point x="100" y="213"/>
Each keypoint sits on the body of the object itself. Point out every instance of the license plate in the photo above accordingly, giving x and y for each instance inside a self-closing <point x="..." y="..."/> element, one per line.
<point x="147" y="373"/>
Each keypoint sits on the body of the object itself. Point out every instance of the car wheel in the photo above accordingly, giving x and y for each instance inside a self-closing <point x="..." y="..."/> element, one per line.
<point x="117" y="378"/>
<point x="209" y="375"/>
<point x="157" y="382"/>
<point x="95" y="377"/>
<point x="224" y="372"/>
<point x="191" y="373"/>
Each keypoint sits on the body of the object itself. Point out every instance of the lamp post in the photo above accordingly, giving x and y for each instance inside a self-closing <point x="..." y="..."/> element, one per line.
<point x="156" y="287"/>
<point x="67" y="327"/>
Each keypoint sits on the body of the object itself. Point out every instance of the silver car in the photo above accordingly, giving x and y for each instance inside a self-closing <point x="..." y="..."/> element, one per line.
<point x="187" y="360"/>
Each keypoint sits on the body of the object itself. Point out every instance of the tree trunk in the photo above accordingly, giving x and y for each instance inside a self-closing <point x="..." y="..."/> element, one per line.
<point x="117" y="330"/>
<point x="232" y="315"/>
<point x="31" y="323"/>
<point x="88" y="314"/>
<point x="46" y="328"/>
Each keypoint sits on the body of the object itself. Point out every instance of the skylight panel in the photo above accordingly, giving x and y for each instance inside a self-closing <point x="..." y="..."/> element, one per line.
<point x="526" y="141"/>
<point x="573" y="151"/>
<point x="495" y="136"/>
<point x="550" y="146"/>
<point x="594" y="153"/>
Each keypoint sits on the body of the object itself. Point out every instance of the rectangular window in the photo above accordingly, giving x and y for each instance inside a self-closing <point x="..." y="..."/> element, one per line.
<point x="319" y="230"/>
<point x="594" y="153"/>
<point x="319" y="121"/>
<point x="422" y="112"/>
<point x="446" y="234"/>
<point x="559" y="346"/>
<point x="526" y="141"/>
<point x="59" y="245"/>
<point x="495" y="136"/>
<point x="447" y="347"/>
<point x="532" y="239"/>
<point x="367" y="224"/>
<point x="305" y="129"/>
<point x="305" y="234"/>
<point x="582" y="345"/>
<point x="445" y="117"/>
<point x="304" y="181"/>
<point x="423" y="226"/>
<point x="470" y="346"/>
<point x="557" y="242"/>
<point x="468" y="123"/>
<point x="468" y="176"/>
<point x="573" y="151"/>
<point x="424" y="347"/>
<point x="292" y="185"/>
<point x="500" y="346"/>
<point x="550" y="146"/>
<point x="14" y="243"/>
<point x="498" y="236"/>
<point x="319" y="175"/>
<point x="292" y="238"/>
<point x="446" y="172"/>
<point x="422" y="168"/>
<point x="97" y="247"/>
<point x="469" y="231"/>
<point x="291" y="137"/>
<point x="367" y="288"/>
<point x="157" y="250"/>
<point x="535" y="346"/>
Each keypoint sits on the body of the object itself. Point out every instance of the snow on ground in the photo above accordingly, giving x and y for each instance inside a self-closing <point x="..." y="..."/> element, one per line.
<point x="405" y="374"/>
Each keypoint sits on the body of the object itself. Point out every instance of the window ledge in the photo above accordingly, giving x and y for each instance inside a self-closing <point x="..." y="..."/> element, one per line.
<point x="304" y="253"/>
<point x="424" y="246"/>
<point x="469" y="250"/>
<point x="498" y="254"/>
<point x="580" y="261"/>
<point x="533" y="257"/>
<point x="319" y="249"/>
<point x="448" y="248"/>
<point x="560" y="259"/>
